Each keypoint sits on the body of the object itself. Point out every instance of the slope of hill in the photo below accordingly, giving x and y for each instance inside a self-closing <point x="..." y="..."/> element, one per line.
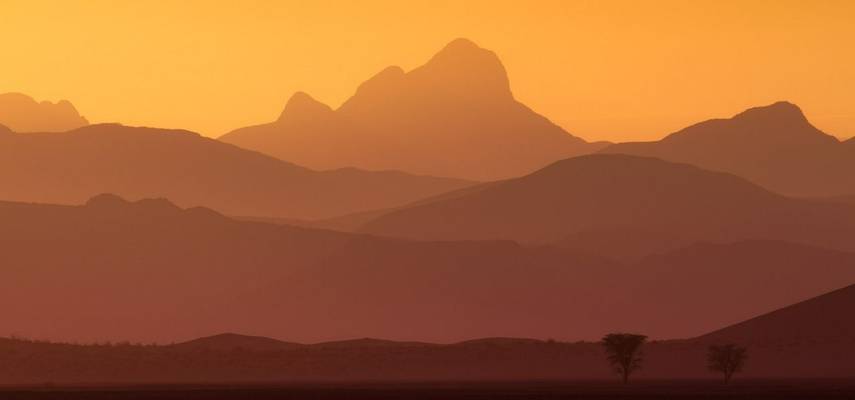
<point x="774" y="146"/>
<point x="588" y="195"/>
<point x="811" y="338"/>
<point x="821" y="319"/>
<point x="69" y="167"/>
<point x="173" y="274"/>
<point x="454" y="116"/>
<point x="718" y="283"/>
<point x="21" y="113"/>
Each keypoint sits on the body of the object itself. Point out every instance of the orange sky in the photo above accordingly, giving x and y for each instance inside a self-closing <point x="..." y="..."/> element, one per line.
<point x="620" y="70"/>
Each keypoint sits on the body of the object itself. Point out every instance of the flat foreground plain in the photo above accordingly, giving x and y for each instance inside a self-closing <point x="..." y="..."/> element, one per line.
<point x="748" y="390"/>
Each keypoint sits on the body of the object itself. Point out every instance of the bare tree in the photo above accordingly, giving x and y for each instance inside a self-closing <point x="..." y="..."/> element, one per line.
<point x="624" y="352"/>
<point x="726" y="359"/>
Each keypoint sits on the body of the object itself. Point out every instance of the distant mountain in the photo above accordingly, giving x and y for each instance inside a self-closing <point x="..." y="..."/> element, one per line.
<point x="774" y="146"/>
<point x="21" y="113"/>
<point x="593" y="198"/>
<point x="191" y="170"/>
<point x="454" y="116"/>
<point x="173" y="274"/>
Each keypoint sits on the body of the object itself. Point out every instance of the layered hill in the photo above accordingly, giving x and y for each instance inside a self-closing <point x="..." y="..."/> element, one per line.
<point x="191" y="170"/>
<point x="151" y="271"/>
<point x="453" y="116"/>
<point x="626" y="205"/>
<point x="774" y="146"/>
<point x="21" y="113"/>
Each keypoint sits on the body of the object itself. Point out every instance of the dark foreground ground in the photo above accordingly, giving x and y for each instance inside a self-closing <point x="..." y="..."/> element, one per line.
<point x="754" y="390"/>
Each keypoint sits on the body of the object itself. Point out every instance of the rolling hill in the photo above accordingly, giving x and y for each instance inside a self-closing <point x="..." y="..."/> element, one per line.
<point x="453" y="116"/>
<point x="645" y="204"/>
<point x="174" y="274"/>
<point x="70" y="167"/>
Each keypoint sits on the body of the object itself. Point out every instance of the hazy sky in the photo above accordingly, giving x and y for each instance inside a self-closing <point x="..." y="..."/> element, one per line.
<point x="618" y="70"/>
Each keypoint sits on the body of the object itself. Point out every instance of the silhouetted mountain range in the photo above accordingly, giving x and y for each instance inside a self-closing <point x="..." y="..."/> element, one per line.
<point x="774" y="146"/>
<point x="622" y="205"/>
<point x="172" y="273"/>
<point x="454" y="116"/>
<point x="191" y="170"/>
<point x="21" y="113"/>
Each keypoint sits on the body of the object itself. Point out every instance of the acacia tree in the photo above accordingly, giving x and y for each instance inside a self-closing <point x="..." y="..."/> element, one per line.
<point x="726" y="359"/>
<point x="623" y="351"/>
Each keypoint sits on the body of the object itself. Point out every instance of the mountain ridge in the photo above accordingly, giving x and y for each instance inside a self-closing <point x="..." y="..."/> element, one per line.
<point x="774" y="146"/>
<point x="137" y="162"/>
<point x="418" y="121"/>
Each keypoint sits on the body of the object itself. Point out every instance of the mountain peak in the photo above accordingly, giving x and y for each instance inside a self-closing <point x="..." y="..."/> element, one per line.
<point x="302" y="106"/>
<point x="783" y="121"/>
<point x="781" y="111"/>
<point x="780" y="124"/>
<point x="469" y="68"/>
<point x="462" y="44"/>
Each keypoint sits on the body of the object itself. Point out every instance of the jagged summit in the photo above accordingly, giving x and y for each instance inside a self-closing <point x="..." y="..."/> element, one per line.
<point x="22" y="113"/>
<point x="109" y="201"/>
<point x="303" y="106"/>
